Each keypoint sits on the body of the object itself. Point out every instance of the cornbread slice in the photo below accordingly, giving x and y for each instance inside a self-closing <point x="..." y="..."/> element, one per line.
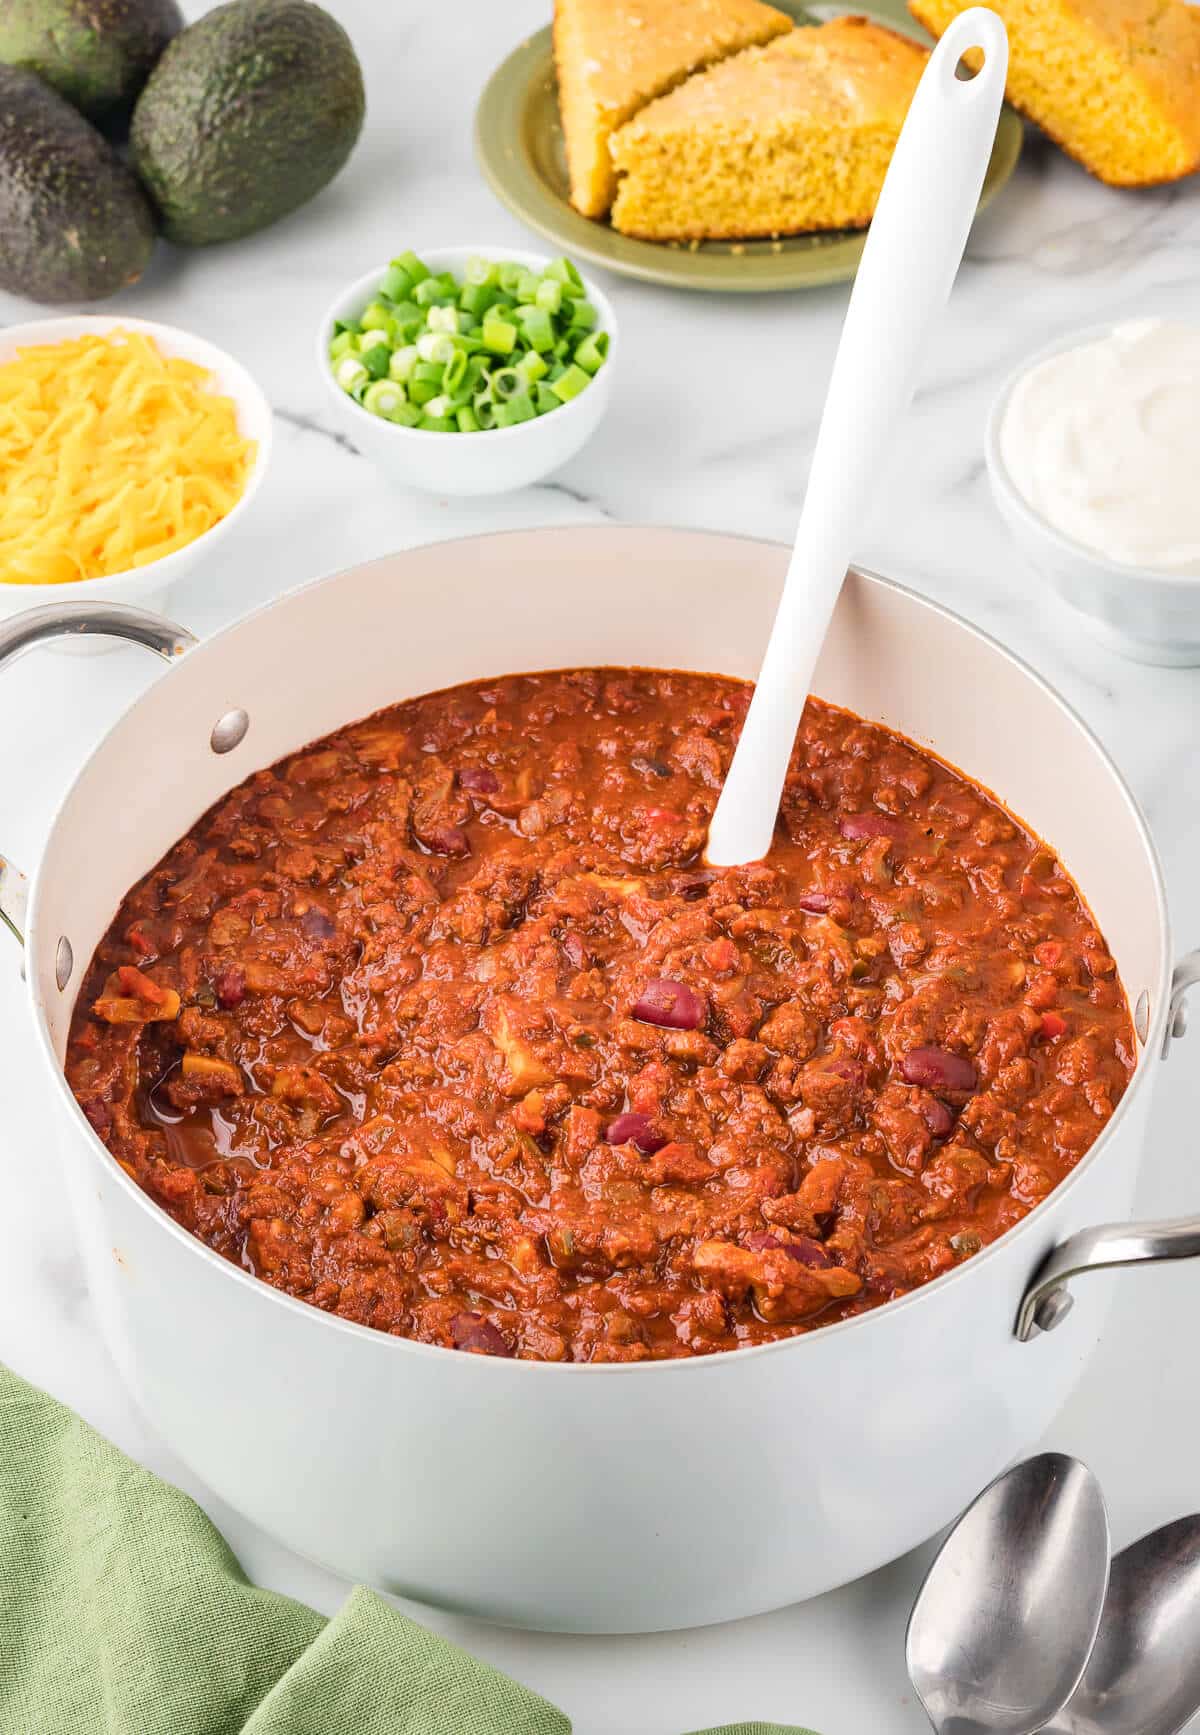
<point x="614" y="56"/>
<point x="794" y="136"/>
<point x="1116" y="83"/>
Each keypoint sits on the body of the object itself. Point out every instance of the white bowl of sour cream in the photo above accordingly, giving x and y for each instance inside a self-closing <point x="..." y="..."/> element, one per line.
<point x="1093" y="450"/>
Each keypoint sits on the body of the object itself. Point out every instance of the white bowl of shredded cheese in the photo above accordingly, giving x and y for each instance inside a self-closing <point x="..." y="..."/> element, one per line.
<point x="1093" y="452"/>
<point x="119" y="464"/>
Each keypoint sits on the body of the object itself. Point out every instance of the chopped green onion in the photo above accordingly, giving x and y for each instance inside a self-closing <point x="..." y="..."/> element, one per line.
<point x="456" y="371"/>
<point x="428" y="291"/>
<point x="562" y="271"/>
<point x="517" y="409"/>
<point x="506" y="382"/>
<point x="350" y="372"/>
<point x="409" y="262"/>
<point x="343" y="342"/>
<point x="376" y="317"/>
<point x="421" y="391"/>
<point x="403" y="361"/>
<point x="538" y="328"/>
<point x="583" y="315"/>
<point x="372" y="338"/>
<point x="376" y="360"/>
<point x="430" y="371"/>
<point x="468" y="422"/>
<point x="435" y="346"/>
<point x="395" y="282"/>
<point x="510" y="275"/>
<point x="532" y="366"/>
<point x="383" y="398"/>
<point x="592" y="352"/>
<point x="549" y="295"/>
<point x="481" y="273"/>
<point x="572" y="381"/>
<point x="439" y="407"/>
<point x="527" y="286"/>
<point x="476" y="298"/>
<point x="546" y="398"/>
<point x="499" y="335"/>
<point x="443" y="319"/>
<point x="437" y="425"/>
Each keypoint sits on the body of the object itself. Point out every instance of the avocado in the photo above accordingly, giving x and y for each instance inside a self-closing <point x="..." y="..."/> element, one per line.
<point x="96" y="53"/>
<point x="74" y="224"/>
<point x="249" y="113"/>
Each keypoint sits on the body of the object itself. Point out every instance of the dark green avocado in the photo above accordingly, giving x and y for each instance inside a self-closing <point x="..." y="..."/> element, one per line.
<point x="74" y="224"/>
<point x="96" y="53"/>
<point x="249" y="113"/>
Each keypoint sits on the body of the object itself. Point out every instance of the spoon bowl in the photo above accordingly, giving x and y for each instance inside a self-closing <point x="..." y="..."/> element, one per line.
<point x="1144" y="1673"/>
<point x="1005" y="1621"/>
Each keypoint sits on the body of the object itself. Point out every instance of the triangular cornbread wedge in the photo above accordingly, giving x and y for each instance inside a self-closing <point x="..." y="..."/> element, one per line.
<point x="614" y="56"/>
<point x="794" y="136"/>
<point x="1116" y="83"/>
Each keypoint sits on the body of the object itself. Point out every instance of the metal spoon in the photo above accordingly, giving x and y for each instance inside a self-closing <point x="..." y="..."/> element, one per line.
<point x="1143" y="1678"/>
<point x="1002" y="1628"/>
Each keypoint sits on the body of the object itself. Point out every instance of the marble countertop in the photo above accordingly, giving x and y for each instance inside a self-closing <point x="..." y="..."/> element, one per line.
<point x="722" y="441"/>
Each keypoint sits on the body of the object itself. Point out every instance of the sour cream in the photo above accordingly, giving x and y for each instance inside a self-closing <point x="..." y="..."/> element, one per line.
<point x="1103" y="441"/>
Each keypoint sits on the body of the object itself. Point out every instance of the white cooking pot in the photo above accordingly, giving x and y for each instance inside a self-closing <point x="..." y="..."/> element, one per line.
<point x="614" y="1498"/>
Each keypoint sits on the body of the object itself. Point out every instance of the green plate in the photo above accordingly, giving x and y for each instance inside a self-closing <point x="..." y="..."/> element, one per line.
<point x="519" y="143"/>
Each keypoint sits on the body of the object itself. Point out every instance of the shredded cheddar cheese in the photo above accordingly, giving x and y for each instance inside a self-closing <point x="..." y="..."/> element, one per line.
<point x="112" y="455"/>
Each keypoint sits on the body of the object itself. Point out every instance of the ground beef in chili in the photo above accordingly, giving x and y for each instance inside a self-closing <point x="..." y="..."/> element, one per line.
<point x="442" y="1024"/>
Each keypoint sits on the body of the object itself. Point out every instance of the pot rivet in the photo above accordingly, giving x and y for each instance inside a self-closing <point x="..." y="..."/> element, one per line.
<point x="1141" y="1015"/>
<point x="229" y="730"/>
<point x="64" y="963"/>
<point x="1052" y="1309"/>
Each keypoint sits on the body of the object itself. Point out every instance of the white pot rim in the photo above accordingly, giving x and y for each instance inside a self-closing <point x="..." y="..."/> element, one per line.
<point x="683" y="1366"/>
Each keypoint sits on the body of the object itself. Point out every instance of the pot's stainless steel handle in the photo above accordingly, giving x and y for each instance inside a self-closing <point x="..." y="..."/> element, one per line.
<point x="1047" y="1301"/>
<point x="76" y="620"/>
<point x="115" y="620"/>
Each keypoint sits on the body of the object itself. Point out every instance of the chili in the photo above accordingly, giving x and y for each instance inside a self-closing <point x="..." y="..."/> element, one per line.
<point x="444" y="1026"/>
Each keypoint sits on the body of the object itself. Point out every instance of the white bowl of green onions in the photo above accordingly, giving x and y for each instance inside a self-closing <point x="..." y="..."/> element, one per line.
<point x="469" y="370"/>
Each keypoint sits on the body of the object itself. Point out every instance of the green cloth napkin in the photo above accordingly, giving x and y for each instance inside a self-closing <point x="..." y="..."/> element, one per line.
<point x="123" y="1612"/>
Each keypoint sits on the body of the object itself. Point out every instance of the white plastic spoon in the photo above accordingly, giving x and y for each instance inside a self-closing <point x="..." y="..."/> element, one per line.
<point x="913" y="251"/>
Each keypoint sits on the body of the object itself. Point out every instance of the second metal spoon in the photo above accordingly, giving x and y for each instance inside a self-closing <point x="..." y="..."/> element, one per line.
<point x="1143" y="1677"/>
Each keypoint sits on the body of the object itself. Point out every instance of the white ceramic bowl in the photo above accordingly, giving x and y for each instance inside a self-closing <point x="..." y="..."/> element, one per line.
<point x="147" y="585"/>
<point x="485" y="463"/>
<point x="1151" y="616"/>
